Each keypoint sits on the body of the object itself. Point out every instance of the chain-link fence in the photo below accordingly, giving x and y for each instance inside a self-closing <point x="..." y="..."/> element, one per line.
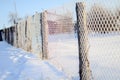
<point x="53" y="35"/>
<point x="62" y="40"/>
<point x="99" y="38"/>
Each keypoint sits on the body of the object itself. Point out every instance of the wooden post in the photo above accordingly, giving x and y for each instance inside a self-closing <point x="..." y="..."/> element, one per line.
<point x="84" y="71"/>
<point x="44" y="35"/>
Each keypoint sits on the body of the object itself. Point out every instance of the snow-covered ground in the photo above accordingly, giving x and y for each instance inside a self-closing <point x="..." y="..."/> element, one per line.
<point x="17" y="64"/>
<point x="63" y="52"/>
<point x="104" y="57"/>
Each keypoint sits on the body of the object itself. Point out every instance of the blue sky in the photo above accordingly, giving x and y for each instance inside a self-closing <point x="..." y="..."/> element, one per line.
<point x="26" y="7"/>
<point x="29" y="7"/>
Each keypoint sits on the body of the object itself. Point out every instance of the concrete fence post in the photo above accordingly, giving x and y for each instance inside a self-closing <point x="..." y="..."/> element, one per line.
<point x="44" y="35"/>
<point x="15" y="36"/>
<point x="84" y="70"/>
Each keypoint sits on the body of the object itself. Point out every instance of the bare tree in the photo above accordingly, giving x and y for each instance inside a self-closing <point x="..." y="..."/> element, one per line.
<point x="12" y="18"/>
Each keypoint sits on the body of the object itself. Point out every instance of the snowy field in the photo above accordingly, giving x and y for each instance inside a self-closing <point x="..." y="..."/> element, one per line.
<point x="63" y="52"/>
<point x="104" y="57"/>
<point x="16" y="64"/>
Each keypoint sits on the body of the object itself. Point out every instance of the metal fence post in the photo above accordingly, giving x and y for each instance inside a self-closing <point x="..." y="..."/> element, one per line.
<point x="84" y="71"/>
<point x="44" y="35"/>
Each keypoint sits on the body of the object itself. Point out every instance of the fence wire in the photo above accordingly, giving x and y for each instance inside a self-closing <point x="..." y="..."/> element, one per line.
<point x="53" y="35"/>
<point x="62" y="39"/>
<point x="103" y="27"/>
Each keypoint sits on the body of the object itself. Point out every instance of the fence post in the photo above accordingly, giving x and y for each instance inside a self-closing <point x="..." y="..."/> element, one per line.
<point x="44" y="35"/>
<point x="84" y="70"/>
<point x="15" y="36"/>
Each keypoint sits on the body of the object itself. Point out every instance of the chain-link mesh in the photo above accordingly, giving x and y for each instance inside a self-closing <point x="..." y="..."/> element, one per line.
<point x="55" y="32"/>
<point x="62" y="40"/>
<point x="103" y="27"/>
<point x="59" y="24"/>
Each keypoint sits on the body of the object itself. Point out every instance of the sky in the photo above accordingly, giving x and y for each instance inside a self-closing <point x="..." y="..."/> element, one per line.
<point x="26" y="8"/>
<point x="29" y="7"/>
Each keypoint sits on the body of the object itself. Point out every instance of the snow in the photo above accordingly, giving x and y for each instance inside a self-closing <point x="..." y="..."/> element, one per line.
<point x="62" y="64"/>
<point x="63" y="52"/>
<point x="104" y="57"/>
<point x="16" y="64"/>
